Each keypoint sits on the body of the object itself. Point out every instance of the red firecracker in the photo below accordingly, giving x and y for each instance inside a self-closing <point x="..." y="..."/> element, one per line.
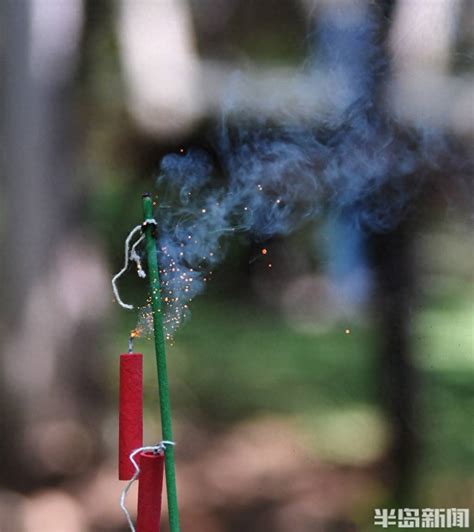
<point x="150" y="488"/>
<point x="130" y="411"/>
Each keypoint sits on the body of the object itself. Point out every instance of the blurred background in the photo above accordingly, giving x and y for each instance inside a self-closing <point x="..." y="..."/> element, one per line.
<point x="306" y="394"/>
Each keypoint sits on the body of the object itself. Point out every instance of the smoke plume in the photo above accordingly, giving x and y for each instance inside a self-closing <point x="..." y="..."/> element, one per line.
<point x="271" y="172"/>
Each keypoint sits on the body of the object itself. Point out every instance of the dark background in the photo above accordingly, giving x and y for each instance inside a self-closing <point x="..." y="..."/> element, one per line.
<point x="305" y="395"/>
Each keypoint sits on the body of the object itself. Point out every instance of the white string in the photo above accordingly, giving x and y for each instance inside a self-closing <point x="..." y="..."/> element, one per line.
<point x="136" y="258"/>
<point x="150" y="221"/>
<point x="125" y="267"/>
<point x="133" y="256"/>
<point x="160" y="448"/>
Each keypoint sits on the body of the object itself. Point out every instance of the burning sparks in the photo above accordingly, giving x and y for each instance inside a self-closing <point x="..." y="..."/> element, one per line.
<point x="184" y="267"/>
<point x="176" y="288"/>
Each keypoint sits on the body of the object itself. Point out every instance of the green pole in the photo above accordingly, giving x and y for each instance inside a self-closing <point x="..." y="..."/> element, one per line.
<point x="165" y="406"/>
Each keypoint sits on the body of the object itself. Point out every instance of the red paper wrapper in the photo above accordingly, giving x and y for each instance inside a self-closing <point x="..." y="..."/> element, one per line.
<point x="150" y="488"/>
<point x="130" y="411"/>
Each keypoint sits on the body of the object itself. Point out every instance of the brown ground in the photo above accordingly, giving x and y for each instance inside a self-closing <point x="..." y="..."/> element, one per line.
<point x="255" y="478"/>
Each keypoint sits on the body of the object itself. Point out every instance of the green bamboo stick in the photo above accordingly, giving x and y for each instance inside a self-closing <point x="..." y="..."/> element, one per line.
<point x="163" y="387"/>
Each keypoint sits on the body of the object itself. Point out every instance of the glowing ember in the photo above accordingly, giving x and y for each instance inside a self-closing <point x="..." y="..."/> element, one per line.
<point x="264" y="251"/>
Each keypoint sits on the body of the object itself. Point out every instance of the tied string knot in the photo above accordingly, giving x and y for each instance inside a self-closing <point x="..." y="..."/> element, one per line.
<point x="131" y="254"/>
<point x="160" y="448"/>
<point x="147" y="222"/>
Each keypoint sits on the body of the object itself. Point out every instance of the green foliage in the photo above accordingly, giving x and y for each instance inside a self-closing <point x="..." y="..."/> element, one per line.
<point x="239" y="361"/>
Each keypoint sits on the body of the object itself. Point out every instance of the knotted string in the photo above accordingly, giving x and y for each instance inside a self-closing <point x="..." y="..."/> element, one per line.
<point x="133" y="256"/>
<point x="160" y="448"/>
<point x="136" y="258"/>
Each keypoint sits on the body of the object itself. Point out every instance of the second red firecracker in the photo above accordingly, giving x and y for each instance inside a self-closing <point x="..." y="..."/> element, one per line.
<point x="150" y="487"/>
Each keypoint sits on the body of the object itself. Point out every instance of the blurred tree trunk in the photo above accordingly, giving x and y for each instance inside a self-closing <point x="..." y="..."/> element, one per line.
<point x="420" y="39"/>
<point x="51" y="306"/>
<point x="393" y="261"/>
